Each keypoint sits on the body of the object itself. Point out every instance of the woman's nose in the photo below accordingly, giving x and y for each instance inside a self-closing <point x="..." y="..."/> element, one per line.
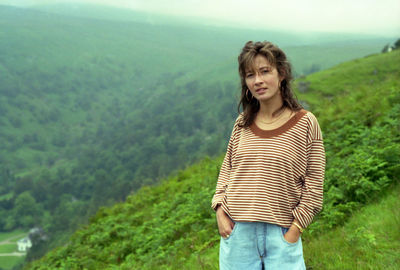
<point x="257" y="79"/>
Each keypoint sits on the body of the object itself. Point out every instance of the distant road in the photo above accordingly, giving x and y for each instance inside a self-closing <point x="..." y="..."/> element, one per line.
<point x="18" y="254"/>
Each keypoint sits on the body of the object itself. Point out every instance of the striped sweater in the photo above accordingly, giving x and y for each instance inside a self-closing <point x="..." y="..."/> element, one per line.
<point x="274" y="175"/>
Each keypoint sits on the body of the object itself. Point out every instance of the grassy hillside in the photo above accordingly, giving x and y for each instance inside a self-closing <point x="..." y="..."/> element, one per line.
<point x="369" y="240"/>
<point x="171" y="225"/>
<point x="9" y="255"/>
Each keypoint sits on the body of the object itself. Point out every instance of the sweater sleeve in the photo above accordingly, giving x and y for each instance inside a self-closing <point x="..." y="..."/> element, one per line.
<point x="312" y="192"/>
<point x="224" y="173"/>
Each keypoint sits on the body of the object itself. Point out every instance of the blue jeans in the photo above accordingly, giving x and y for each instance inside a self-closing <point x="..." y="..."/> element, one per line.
<point x="259" y="245"/>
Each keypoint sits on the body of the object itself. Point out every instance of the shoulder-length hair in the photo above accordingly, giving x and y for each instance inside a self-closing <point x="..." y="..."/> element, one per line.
<point x="277" y="58"/>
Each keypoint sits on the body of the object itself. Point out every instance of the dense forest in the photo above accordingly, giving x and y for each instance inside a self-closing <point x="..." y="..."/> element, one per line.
<point x="93" y="109"/>
<point x="172" y="226"/>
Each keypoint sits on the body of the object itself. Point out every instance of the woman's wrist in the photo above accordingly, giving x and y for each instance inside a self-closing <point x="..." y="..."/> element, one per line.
<point x="219" y="210"/>
<point x="297" y="225"/>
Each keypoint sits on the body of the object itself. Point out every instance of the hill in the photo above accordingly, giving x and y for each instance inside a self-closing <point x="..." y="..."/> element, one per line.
<point x="92" y="101"/>
<point x="171" y="225"/>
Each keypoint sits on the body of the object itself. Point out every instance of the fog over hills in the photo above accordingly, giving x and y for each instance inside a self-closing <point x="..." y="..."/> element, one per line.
<point x="341" y="16"/>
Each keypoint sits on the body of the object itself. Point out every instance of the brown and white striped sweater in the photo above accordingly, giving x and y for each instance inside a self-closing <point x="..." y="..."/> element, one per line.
<point x="274" y="175"/>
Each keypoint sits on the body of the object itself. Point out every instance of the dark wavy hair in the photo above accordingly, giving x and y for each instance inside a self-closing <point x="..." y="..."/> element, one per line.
<point x="277" y="58"/>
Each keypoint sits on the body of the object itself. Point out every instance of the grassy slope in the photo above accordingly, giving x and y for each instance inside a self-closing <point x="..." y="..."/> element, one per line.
<point x="171" y="221"/>
<point x="369" y="240"/>
<point x="14" y="235"/>
<point x="370" y="77"/>
<point x="171" y="224"/>
<point x="365" y="89"/>
<point x="8" y="262"/>
<point x="8" y="248"/>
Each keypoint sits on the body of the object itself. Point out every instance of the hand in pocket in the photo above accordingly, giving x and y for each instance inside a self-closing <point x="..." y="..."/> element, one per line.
<point x="292" y="236"/>
<point x="225" y="224"/>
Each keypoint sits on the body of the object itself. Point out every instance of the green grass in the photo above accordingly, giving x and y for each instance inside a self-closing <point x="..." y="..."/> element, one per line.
<point x="13" y="234"/>
<point x="369" y="240"/>
<point x="373" y="78"/>
<point x="10" y="261"/>
<point x="8" y="248"/>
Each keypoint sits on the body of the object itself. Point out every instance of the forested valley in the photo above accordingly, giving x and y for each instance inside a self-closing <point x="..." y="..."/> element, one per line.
<point x="93" y="109"/>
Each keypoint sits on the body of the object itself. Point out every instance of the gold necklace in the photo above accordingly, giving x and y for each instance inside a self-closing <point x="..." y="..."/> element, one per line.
<point x="279" y="117"/>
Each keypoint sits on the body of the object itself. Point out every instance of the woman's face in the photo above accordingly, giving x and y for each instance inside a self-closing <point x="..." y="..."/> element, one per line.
<point x="263" y="80"/>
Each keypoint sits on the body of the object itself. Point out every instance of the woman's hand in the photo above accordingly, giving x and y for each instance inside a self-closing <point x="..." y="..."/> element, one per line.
<point x="225" y="224"/>
<point x="293" y="234"/>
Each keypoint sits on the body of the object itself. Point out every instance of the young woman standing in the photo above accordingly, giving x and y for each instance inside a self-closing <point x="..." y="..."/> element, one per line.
<point x="270" y="184"/>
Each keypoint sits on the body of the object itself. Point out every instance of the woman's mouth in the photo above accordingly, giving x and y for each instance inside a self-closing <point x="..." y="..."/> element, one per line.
<point x="261" y="90"/>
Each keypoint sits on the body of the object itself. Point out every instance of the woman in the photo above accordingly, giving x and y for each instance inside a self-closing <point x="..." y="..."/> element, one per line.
<point x="270" y="184"/>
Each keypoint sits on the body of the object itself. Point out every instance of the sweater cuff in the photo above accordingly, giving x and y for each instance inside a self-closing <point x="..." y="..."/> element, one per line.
<point x="217" y="200"/>
<point x="302" y="216"/>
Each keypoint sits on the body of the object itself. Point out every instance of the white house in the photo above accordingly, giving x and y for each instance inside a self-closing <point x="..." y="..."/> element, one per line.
<point x="24" y="244"/>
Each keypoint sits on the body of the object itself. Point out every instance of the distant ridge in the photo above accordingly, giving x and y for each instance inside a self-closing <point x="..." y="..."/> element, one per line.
<point x="284" y="38"/>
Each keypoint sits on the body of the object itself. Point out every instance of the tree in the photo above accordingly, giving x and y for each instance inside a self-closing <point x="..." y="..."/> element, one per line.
<point x="386" y="48"/>
<point x="26" y="211"/>
<point x="23" y="184"/>
<point x="396" y="44"/>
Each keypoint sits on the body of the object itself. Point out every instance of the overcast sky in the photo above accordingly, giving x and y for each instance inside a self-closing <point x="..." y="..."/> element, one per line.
<point x="381" y="17"/>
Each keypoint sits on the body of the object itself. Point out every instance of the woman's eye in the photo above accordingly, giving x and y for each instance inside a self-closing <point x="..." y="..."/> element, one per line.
<point x="249" y="75"/>
<point x="265" y="71"/>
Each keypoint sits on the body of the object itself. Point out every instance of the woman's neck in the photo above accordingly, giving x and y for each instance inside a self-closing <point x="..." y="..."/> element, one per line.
<point x="268" y="108"/>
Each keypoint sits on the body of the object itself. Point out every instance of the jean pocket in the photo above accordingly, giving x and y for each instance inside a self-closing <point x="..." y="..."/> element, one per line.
<point x="284" y="231"/>
<point x="235" y="225"/>
<point x="232" y="232"/>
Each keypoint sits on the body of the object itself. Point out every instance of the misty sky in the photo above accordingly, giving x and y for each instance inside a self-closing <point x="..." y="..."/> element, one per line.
<point x="378" y="17"/>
